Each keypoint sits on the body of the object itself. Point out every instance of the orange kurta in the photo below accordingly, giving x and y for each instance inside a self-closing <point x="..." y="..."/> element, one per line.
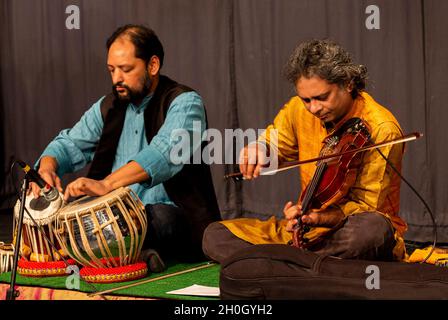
<point x="377" y="187"/>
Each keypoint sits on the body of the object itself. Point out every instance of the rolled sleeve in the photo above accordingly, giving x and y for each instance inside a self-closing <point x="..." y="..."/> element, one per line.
<point x="185" y="113"/>
<point x="68" y="157"/>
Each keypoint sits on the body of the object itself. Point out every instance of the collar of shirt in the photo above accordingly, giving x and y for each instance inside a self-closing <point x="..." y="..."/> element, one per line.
<point x="142" y="106"/>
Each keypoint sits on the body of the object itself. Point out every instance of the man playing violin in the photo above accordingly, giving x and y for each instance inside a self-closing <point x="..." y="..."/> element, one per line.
<point x="364" y="223"/>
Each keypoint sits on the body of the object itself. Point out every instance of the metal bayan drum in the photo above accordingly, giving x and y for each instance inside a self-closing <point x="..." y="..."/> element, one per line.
<point x="40" y="252"/>
<point x="105" y="235"/>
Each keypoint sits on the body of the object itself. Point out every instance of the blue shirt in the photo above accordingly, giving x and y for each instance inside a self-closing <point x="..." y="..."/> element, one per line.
<point x="74" y="148"/>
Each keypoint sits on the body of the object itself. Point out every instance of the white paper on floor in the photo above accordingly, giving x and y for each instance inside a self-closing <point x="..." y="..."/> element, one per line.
<point x="197" y="290"/>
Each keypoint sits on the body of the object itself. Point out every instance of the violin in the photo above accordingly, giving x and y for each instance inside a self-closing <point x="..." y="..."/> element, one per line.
<point x="334" y="176"/>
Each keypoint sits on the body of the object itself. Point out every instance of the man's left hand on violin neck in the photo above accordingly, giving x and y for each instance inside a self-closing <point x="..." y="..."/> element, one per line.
<point x="329" y="217"/>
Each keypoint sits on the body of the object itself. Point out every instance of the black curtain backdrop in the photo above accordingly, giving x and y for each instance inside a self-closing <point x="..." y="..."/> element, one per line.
<point x="232" y="52"/>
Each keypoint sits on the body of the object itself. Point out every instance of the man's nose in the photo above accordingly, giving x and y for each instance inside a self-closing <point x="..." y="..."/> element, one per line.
<point x="117" y="76"/>
<point x="315" y="107"/>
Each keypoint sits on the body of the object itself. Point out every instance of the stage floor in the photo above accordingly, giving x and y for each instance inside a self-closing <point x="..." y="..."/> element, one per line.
<point x="155" y="286"/>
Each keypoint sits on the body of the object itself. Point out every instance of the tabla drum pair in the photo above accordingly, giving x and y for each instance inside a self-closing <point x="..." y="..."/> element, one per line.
<point x="103" y="234"/>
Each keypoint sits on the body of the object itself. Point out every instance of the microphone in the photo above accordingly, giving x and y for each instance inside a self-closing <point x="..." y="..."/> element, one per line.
<point x="50" y="193"/>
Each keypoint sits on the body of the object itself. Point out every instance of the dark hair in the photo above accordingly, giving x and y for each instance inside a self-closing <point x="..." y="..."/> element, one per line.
<point x="145" y="40"/>
<point x="327" y="60"/>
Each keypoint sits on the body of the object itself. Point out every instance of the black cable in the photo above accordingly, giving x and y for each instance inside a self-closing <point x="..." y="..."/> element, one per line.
<point x="421" y="199"/>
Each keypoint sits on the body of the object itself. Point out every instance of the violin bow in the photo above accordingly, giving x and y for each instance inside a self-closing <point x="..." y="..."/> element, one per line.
<point x="293" y="164"/>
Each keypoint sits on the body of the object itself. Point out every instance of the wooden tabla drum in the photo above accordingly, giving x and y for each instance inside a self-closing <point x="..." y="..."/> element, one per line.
<point x="40" y="252"/>
<point x="105" y="235"/>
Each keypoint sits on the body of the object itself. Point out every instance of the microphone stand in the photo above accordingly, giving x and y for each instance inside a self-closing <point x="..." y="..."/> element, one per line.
<point x="12" y="293"/>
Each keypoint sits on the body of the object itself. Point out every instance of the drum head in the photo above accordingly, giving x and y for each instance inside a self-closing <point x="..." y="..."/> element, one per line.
<point x="6" y="248"/>
<point x="42" y="211"/>
<point x="88" y="202"/>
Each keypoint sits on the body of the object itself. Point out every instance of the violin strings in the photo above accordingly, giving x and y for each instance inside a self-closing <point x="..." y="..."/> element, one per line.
<point x="313" y="185"/>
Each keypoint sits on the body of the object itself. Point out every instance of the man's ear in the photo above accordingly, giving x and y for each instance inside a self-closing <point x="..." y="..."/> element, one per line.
<point x="153" y="67"/>
<point x="350" y="87"/>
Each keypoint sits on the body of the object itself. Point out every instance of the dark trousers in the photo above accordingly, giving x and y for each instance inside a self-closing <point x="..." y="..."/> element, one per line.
<point x="367" y="236"/>
<point x="169" y="233"/>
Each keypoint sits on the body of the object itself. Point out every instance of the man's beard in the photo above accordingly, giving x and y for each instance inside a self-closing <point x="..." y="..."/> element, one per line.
<point x="133" y="96"/>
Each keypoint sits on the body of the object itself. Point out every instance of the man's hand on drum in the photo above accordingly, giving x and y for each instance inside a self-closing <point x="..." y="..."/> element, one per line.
<point x="86" y="186"/>
<point x="50" y="177"/>
<point x="252" y="158"/>
<point x="47" y="170"/>
<point x="329" y="217"/>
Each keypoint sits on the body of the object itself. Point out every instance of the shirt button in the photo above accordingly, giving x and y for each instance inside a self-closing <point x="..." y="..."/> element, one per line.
<point x="136" y="131"/>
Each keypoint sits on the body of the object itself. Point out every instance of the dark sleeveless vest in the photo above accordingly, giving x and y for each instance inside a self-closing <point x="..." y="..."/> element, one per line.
<point x="191" y="188"/>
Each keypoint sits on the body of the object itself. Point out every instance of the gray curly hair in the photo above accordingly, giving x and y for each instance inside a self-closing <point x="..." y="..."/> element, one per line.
<point x="327" y="60"/>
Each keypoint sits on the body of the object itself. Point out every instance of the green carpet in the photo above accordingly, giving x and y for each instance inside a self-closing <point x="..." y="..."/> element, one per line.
<point x="208" y="277"/>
